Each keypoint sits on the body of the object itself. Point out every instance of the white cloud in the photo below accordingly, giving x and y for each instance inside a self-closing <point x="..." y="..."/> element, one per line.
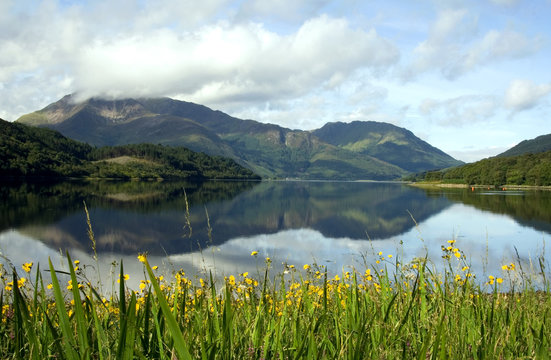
<point x="458" y="111"/>
<point x="525" y="94"/>
<point x="453" y="48"/>
<point x="226" y="62"/>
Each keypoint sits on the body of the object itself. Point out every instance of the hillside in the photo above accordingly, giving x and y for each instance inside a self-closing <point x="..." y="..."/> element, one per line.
<point x="269" y="150"/>
<point x="386" y="142"/>
<point x="36" y="152"/>
<point x="540" y="144"/>
<point x="526" y="169"/>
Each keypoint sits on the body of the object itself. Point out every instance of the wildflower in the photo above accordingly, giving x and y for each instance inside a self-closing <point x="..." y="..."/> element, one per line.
<point x="380" y="253"/>
<point x="389" y="256"/>
<point x="499" y="280"/>
<point x="306" y="267"/>
<point x="268" y="260"/>
<point x="125" y="278"/>
<point x="155" y="267"/>
<point x="142" y="258"/>
<point x="50" y="286"/>
<point x="451" y="242"/>
<point x="27" y="266"/>
<point x="465" y="268"/>
<point x="254" y="253"/>
<point x="245" y="274"/>
<point x="457" y="254"/>
<point x="142" y="285"/>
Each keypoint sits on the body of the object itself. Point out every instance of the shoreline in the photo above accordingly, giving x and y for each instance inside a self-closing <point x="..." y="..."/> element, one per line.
<point x="487" y="187"/>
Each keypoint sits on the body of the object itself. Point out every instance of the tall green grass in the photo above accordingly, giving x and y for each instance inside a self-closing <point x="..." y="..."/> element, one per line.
<point x="387" y="310"/>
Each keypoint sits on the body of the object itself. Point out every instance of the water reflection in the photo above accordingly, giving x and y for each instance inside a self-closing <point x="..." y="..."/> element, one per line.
<point x="337" y="225"/>
<point x="132" y="217"/>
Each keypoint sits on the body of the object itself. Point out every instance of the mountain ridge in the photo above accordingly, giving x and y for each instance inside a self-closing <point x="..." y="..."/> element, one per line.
<point x="29" y="151"/>
<point x="269" y="150"/>
<point x="536" y="145"/>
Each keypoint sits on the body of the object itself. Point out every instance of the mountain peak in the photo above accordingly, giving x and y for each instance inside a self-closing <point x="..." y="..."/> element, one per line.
<point x="357" y="150"/>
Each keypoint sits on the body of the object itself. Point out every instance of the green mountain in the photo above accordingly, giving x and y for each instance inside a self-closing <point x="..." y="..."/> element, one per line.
<point x="386" y="142"/>
<point x="31" y="151"/>
<point x="268" y="150"/>
<point x="540" y="144"/>
<point x="527" y="169"/>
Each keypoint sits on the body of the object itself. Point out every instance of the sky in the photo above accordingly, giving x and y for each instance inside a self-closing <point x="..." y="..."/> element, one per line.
<point x="472" y="78"/>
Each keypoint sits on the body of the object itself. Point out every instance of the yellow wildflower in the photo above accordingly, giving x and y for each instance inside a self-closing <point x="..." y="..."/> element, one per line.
<point x="27" y="266"/>
<point x="125" y="278"/>
<point x="142" y="258"/>
<point x="254" y="253"/>
<point x="499" y="280"/>
<point x="306" y="267"/>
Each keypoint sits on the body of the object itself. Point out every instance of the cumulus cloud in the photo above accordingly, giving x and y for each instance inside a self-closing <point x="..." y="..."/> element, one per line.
<point x="454" y="49"/>
<point x="231" y="62"/>
<point x="461" y="110"/>
<point x="525" y="94"/>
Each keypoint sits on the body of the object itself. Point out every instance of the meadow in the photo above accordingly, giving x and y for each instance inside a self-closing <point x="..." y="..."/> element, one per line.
<point x="386" y="310"/>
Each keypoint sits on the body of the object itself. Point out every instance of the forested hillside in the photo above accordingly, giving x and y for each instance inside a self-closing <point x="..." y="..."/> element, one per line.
<point x="540" y="144"/>
<point x="37" y="152"/>
<point x="527" y="169"/>
<point x="378" y="152"/>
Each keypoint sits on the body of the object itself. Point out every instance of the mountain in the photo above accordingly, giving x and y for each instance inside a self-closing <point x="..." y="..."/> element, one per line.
<point x="540" y="144"/>
<point x="28" y="151"/>
<point x="386" y="142"/>
<point x="268" y="150"/>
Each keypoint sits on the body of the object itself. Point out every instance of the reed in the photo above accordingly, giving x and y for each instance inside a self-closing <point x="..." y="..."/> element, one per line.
<point x="386" y="310"/>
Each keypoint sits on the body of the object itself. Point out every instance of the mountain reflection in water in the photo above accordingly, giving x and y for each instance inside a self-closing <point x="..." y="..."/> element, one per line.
<point x="129" y="217"/>
<point x="337" y="224"/>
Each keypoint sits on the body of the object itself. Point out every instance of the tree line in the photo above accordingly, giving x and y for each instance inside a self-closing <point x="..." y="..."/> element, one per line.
<point x="527" y="169"/>
<point x="38" y="152"/>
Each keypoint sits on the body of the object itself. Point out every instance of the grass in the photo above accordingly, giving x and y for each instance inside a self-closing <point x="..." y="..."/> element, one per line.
<point x="387" y="310"/>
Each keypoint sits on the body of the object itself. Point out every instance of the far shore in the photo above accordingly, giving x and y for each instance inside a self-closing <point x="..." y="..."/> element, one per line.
<point x="487" y="187"/>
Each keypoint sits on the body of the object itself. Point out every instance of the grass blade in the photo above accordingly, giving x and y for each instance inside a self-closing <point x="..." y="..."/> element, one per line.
<point x="173" y="326"/>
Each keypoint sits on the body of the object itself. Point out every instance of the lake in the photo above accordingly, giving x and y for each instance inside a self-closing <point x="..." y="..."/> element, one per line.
<point x="214" y="226"/>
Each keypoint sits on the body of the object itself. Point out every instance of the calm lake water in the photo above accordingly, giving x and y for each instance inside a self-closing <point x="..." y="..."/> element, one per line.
<point x="336" y="224"/>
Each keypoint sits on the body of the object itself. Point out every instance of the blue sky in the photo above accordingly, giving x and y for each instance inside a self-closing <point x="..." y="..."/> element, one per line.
<point x="472" y="78"/>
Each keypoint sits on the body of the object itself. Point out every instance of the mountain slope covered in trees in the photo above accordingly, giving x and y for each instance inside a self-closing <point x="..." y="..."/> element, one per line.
<point x="540" y="144"/>
<point x="36" y="152"/>
<point x="527" y="169"/>
<point x="269" y="150"/>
